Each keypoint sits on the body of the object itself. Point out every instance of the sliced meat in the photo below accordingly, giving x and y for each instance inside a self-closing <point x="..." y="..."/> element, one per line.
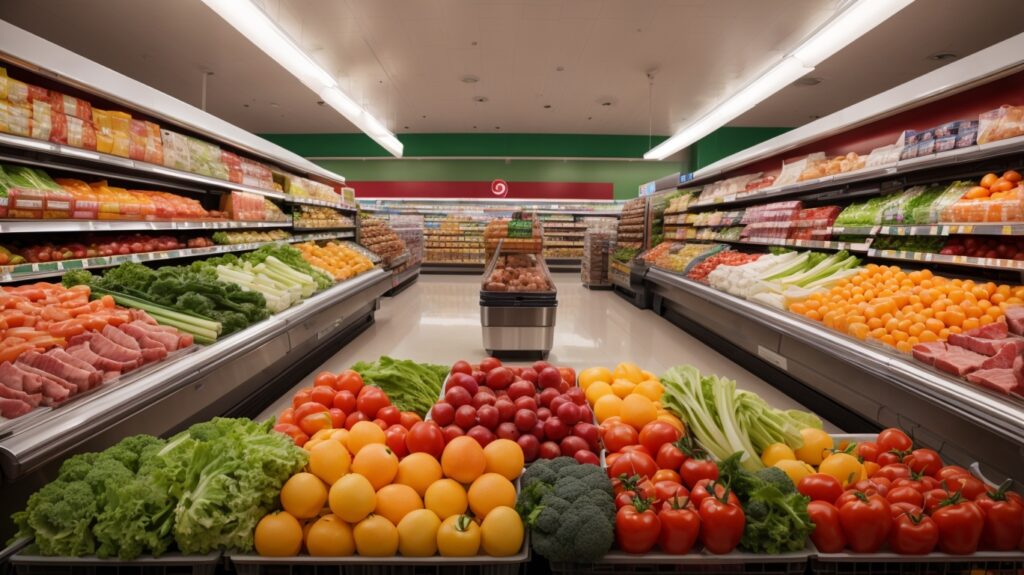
<point x="120" y="338"/>
<point x="994" y="330"/>
<point x="1002" y="380"/>
<point x="926" y="352"/>
<point x="11" y="408"/>
<point x="32" y="399"/>
<point x="18" y="379"/>
<point x="1018" y="372"/>
<point x="84" y="352"/>
<point x="152" y="350"/>
<point x="102" y="345"/>
<point x="95" y="375"/>
<point x="65" y="371"/>
<point x="136" y="330"/>
<point x="985" y="346"/>
<point x="156" y="327"/>
<point x="959" y="361"/>
<point x="140" y="315"/>
<point x="1004" y="358"/>
<point x="1014" y="315"/>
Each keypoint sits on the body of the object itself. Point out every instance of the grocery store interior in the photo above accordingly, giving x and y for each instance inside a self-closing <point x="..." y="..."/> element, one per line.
<point x="507" y="286"/>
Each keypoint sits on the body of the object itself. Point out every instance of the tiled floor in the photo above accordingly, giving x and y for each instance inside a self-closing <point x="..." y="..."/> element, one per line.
<point x="438" y="320"/>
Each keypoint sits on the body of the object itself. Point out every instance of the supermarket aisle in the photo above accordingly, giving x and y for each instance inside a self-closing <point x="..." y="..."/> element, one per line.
<point x="438" y="320"/>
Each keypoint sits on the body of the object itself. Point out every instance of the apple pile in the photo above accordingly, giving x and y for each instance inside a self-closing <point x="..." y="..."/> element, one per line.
<point x="108" y="246"/>
<point x="539" y="407"/>
<point x="985" y="247"/>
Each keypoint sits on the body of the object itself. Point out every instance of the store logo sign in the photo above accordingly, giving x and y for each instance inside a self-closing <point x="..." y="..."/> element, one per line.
<point x="499" y="188"/>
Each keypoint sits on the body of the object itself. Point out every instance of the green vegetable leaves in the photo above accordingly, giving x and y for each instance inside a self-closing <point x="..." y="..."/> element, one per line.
<point x="411" y="386"/>
<point x="776" y="514"/>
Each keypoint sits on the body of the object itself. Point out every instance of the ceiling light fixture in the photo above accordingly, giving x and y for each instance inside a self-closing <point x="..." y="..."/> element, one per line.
<point x="856" y="19"/>
<point x="255" y="25"/>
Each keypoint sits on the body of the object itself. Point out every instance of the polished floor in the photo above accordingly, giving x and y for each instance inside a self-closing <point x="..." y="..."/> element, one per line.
<point x="438" y="320"/>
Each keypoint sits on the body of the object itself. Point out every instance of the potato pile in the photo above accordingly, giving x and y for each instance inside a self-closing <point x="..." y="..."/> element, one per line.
<point x="517" y="273"/>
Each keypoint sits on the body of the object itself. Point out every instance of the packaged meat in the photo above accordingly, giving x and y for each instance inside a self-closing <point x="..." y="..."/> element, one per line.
<point x="70" y="106"/>
<point x="1000" y="124"/>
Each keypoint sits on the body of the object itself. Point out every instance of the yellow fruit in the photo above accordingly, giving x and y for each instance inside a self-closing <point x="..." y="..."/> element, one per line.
<point x="364" y="433"/>
<point x="352" y="497"/>
<point x="463" y="459"/>
<point x="776" y="452"/>
<point x="329" y="536"/>
<point x="598" y="390"/>
<point x="377" y="463"/>
<point x="329" y="461"/>
<point x="843" y="467"/>
<point x="796" y="470"/>
<point x="505" y="458"/>
<point x="489" y="491"/>
<point x="651" y="389"/>
<point x="417" y="533"/>
<point x="816" y="444"/>
<point x="623" y="387"/>
<point x="630" y="371"/>
<point x="458" y="536"/>
<point x="501" y="532"/>
<point x="648" y="375"/>
<point x="396" y="501"/>
<point x="303" y="495"/>
<point x="673" y="421"/>
<point x="341" y="436"/>
<point x="375" y="536"/>
<point x="609" y="405"/>
<point x="592" y="374"/>
<point x="446" y="497"/>
<point x="309" y="445"/>
<point x="419" y="471"/>
<point x="638" y="411"/>
<point x="278" y="535"/>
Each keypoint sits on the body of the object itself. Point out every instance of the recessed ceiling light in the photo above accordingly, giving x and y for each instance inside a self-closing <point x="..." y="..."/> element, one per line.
<point x="473" y="43"/>
<point x="497" y="127"/>
<point x="943" y="57"/>
<point x="807" y="81"/>
<point x="560" y="69"/>
<point x="547" y="106"/>
<point x="275" y="105"/>
<point x="470" y="79"/>
<point x="480" y="99"/>
<point x="406" y="127"/>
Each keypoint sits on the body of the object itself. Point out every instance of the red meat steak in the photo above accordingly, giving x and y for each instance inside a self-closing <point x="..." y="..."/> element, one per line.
<point x="95" y="375"/>
<point x="138" y="330"/>
<point x="120" y="338"/>
<point x="958" y="361"/>
<point x="21" y="380"/>
<point x="926" y="352"/>
<point x="1004" y="357"/>
<point x="101" y="345"/>
<point x="11" y="408"/>
<point x="32" y="399"/>
<point x="1001" y="380"/>
<point x="995" y="330"/>
<point x="79" y="377"/>
<point x="84" y="352"/>
<point x="1014" y="315"/>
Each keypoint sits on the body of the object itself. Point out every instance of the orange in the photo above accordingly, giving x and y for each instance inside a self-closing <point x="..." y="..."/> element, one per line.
<point x="650" y="388"/>
<point x="419" y="471"/>
<point x="592" y="374"/>
<point x="364" y="433"/>
<point x="303" y="495"/>
<point x="395" y="501"/>
<point x="630" y="371"/>
<point x="377" y="463"/>
<point x="352" y="498"/>
<point x="278" y="535"/>
<point x="609" y="405"/>
<point x="463" y="459"/>
<point x="490" y="490"/>
<point x="446" y="498"/>
<point x="623" y="387"/>
<point x="638" y="410"/>
<point x="329" y="536"/>
<point x="505" y="458"/>
<point x="597" y="390"/>
<point x="329" y="461"/>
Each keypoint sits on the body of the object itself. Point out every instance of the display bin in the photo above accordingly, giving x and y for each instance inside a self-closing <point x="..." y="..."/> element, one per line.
<point x="26" y="563"/>
<point x="621" y="563"/>
<point x="517" y="322"/>
<point x="478" y="565"/>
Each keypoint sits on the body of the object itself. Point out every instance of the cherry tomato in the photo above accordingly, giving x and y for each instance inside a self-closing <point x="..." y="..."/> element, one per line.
<point x="337" y="418"/>
<point x="657" y="433"/>
<point x="314" y="422"/>
<point x="670" y="456"/>
<point x="618" y="436"/>
<point x="868" y="451"/>
<point x="287" y="416"/>
<point x="354" y="418"/>
<point x="905" y="494"/>
<point x="925" y="461"/>
<point x="409" y="419"/>
<point x="390" y="415"/>
<point x="323" y="394"/>
<point x="820" y="487"/>
<point x="395" y="440"/>
<point x="694" y="469"/>
<point x="371" y="400"/>
<point x="665" y="475"/>
<point x="893" y="439"/>
<point x="324" y="378"/>
<point x="633" y="463"/>
<point x="308" y="408"/>
<point x="305" y="395"/>
<point x="350" y="381"/>
<point x="345" y="401"/>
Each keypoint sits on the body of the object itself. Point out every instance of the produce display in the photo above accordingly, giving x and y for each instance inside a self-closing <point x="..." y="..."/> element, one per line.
<point x="987" y="356"/>
<point x="678" y="256"/>
<point x="777" y="279"/>
<point x="55" y="343"/>
<point x="596" y="251"/>
<point x="994" y="199"/>
<point x="923" y="244"/>
<point x="320" y="217"/>
<point x="701" y="271"/>
<point x="517" y="273"/>
<point x="376" y="236"/>
<point x="454" y="239"/>
<point x="245" y="206"/>
<point x="411" y="386"/>
<point x="250" y="237"/>
<point x="1007" y="248"/>
<point x="306" y="188"/>
<point x="632" y="224"/>
<point x="515" y="236"/>
<point x="336" y="259"/>
<point x="96" y="245"/>
<point x="563" y="237"/>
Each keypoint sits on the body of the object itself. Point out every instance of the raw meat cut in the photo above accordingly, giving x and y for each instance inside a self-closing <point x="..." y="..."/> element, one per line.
<point x="66" y="357"/>
<point x="958" y="361"/>
<point x="1001" y="380"/>
<point x="51" y="382"/>
<point x="168" y="341"/>
<point x="926" y="352"/>
<point x="152" y="350"/>
<point x="101" y="345"/>
<point x="1015" y="318"/>
<point x="1004" y="358"/>
<point x="31" y="399"/>
<point x="18" y="379"/>
<point x="120" y="338"/>
<point x="11" y="408"/>
<point x="84" y="352"/>
<point x="79" y="377"/>
<point x="985" y="346"/>
<point x="995" y="330"/>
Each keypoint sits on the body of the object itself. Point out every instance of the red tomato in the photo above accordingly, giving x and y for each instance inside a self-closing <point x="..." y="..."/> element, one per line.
<point x="888" y="458"/>
<point x="345" y="401"/>
<point x="868" y="451"/>
<point x="667" y="490"/>
<point x="308" y="408"/>
<point x="489" y="363"/>
<point x="324" y="378"/>
<point x="820" y="487"/>
<point x="905" y="494"/>
<point x="1004" y="519"/>
<point x="323" y="394"/>
<point x="700" y="492"/>
<point x="670" y="456"/>
<point x="637" y="528"/>
<point x="665" y="475"/>
<point x="866" y="522"/>
<point x="633" y="463"/>
<point x="371" y="400"/>
<point x="924" y="461"/>
<point x="913" y="535"/>
<point x="409" y="419"/>
<point x="658" y="433"/>
<point x="638" y="449"/>
<point x="721" y="525"/>
<point x="287" y="416"/>
<point x="395" y="440"/>
<point x="694" y="469"/>
<point x="462" y="366"/>
<point x="568" y="374"/>
<point x="292" y="431"/>
<point x="893" y="472"/>
<point x="350" y="381"/>
<point x="305" y="395"/>
<point x="337" y="417"/>
<point x="951" y="471"/>
<point x="828" y="533"/>
<point x="380" y="423"/>
<point x="960" y="525"/>
<point x="354" y="418"/>
<point x="879" y="485"/>
<point x="933" y="498"/>
<point x="897" y="509"/>
<point x="426" y="437"/>
<point x="390" y="415"/>
<point x="618" y="436"/>
<point x="969" y="486"/>
<point x="315" y="422"/>
<point x="893" y="439"/>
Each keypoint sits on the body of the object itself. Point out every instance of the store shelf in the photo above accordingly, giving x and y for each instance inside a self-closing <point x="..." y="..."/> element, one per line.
<point x="323" y="228"/>
<point x="1001" y="415"/>
<point x="967" y="261"/>
<point x="23" y="272"/>
<point x="57" y="226"/>
<point x="810" y="244"/>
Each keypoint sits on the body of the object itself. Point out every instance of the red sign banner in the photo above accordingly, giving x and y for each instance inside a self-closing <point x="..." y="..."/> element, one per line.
<point x="486" y="190"/>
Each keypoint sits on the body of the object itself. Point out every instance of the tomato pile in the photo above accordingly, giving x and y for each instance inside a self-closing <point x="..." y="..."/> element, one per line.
<point x="912" y="502"/>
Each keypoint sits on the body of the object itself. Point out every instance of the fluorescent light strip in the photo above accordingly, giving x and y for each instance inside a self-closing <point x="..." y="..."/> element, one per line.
<point x="255" y="25"/>
<point x="859" y="17"/>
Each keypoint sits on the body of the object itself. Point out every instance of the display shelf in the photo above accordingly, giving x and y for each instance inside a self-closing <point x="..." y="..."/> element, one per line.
<point x="1000" y="414"/>
<point x="811" y="244"/>
<point x="967" y="261"/>
<point x="324" y="228"/>
<point x="57" y="226"/>
<point x="29" y="271"/>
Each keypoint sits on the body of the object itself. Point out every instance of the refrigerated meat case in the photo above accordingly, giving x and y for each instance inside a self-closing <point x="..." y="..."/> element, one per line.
<point x="517" y="323"/>
<point x="237" y="375"/>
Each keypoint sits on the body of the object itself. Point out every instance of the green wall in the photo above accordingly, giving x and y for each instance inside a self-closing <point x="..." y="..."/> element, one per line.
<point x="727" y="141"/>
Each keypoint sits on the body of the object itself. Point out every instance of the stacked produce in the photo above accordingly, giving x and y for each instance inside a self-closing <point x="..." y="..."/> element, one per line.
<point x="454" y="239"/>
<point x="320" y="217"/>
<point x="281" y="286"/>
<point x="202" y="490"/>
<point x="515" y="236"/>
<point x="995" y="199"/>
<point x="987" y="356"/>
<point x="55" y="344"/>
<point x="777" y="279"/>
<point x="922" y="244"/>
<point x="596" y="250"/>
<point x="997" y="247"/>
<point x="701" y="271"/>
<point x="679" y="256"/>
<point x="632" y="221"/>
<point x="537" y="407"/>
<point x="335" y="258"/>
<point x="411" y="386"/>
<point x="376" y="236"/>
<point x="901" y="309"/>
<point x="517" y="273"/>
<point x="250" y="237"/>
<point x="243" y="206"/>
<point x="96" y="245"/>
<point x="305" y="188"/>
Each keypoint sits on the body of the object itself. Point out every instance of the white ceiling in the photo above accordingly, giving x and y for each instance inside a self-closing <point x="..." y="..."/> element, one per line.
<point x="405" y="59"/>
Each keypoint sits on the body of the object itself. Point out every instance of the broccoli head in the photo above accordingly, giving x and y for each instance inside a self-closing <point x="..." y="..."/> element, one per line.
<point x="59" y="517"/>
<point x="585" y="535"/>
<point x="548" y="515"/>
<point x="130" y="450"/>
<point x="777" y="477"/>
<point x="76" y="467"/>
<point x="74" y="278"/>
<point x="570" y="488"/>
<point x="562" y="462"/>
<point x="539" y="471"/>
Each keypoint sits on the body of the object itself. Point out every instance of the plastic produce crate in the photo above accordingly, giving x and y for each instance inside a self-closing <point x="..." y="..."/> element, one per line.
<point x="24" y="563"/>
<point x="620" y="563"/>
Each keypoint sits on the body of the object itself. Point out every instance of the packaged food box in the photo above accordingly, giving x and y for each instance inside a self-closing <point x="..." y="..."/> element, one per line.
<point x="945" y="144"/>
<point x="137" y="137"/>
<point x="967" y="135"/>
<point x="41" y="120"/>
<point x="894" y="211"/>
<point x="175" y="150"/>
<point x="883" y="156"/>
<point x="926" y="147"/>
<point x="15" y="118"/>
<point x="154" y="144"/>
<point x="87" y="203"/>
<point x="1005" y="122"/>
<point x="70" y="106"/>
<point x="58" y="128"/>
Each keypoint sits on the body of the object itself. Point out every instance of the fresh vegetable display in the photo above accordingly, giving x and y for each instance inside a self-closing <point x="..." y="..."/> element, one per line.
<point x="411" y="386"/>
<point x="249" y="237"/>
<point x="334" y="258"/>
<point x="777" y="279"/>
<point x="202" y="490"/>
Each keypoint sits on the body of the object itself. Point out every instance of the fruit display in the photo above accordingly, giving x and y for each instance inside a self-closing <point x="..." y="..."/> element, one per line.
<point x="454" y="239"/>
<point x="320" y="217"/>
<point x="777" y="279"/>
<point x="1000" y="124"/>
<point x="539" y="407"/>
<point x="988" y="356"/>
<point x="55" y="344"/>
<point x="305" y="188"/>
<point x="376" y="236"/>
<point x="411" y="386"/>
<point x="243" y="206"/>
<point x="596" y="250"/>
<point x="335" y="258"/>
<point x="678" y="256"/>
<point x="1007" y="248"/>
<point x="409" y="229"/>
<point x="901" y="309"/>
<point x="994" y="199"/>
<point x="99" y="245"/>
<point x="249" y="237"/>
<point x="514" y="236"/>
<point x="563" y="237"/>
<point x="632" y="224"/>
<point x="921" y="244"/>
<point x="517" y="273"/>
<point x="701" y="271"/>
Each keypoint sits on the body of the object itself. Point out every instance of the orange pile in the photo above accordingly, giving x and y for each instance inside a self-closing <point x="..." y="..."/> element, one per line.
<point x="338" y="260"/>
<point x="901" y="309"/>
